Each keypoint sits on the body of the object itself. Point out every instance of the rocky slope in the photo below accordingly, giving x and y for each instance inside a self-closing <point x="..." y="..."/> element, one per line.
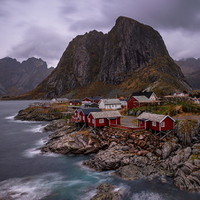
<point x="134" y="155"/>
<point x="18" y="78"/>
<point x="191" y="69"/>
<point x="131" y="57"/>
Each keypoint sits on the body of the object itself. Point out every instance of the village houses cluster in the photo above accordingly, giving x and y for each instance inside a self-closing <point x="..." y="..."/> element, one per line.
<point x="98" y="112"/>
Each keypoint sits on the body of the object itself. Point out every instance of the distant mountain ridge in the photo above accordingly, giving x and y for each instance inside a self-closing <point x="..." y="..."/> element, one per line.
<point x="191" y="70"/>
<point x="18" y="78"/>
<point x="130" y="58"/>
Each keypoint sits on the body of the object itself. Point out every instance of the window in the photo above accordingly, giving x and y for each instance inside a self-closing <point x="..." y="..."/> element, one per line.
<point x="153" y="123"/>
<point x="101" y="121"/>
<point x="163" y="124"/>
<point x="93" y="121"/>
<point x="83" y="118"/>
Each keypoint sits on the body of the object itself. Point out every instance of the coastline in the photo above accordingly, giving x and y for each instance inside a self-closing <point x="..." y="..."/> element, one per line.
<point x="133" y="155"/>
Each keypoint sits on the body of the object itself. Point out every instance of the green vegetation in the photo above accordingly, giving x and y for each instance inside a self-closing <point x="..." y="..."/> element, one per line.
<point x="171" y="108"/>
<point x="69" y="116"/>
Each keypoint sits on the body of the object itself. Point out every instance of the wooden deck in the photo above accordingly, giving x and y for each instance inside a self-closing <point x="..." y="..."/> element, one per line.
<point x="127" y="127"/>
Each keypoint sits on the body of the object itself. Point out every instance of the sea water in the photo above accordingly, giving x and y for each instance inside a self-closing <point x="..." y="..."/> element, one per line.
<point x="26" y="174"/>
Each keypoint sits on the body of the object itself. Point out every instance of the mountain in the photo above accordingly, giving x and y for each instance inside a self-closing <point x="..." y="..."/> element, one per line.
<point x="18" y="78"/>
<point x="191" y="69"/>
<point x="131" y="57"/>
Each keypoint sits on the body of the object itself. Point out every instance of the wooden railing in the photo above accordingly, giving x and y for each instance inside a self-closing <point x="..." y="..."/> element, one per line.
<point x="126" y="127"/>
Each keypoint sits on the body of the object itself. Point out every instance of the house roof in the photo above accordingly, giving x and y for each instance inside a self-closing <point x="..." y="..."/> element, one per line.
<point x="153" y="117"/>
<point x="86" y="111"/>
<point x="111" y="101"/>
<point x="141" y="98"/>
<point x="105" y="114"/>
<point x="147" y="94"/>
<point x="91" y="105"/>
<point x="97" y="98"/>
<point x="75" y="100"/>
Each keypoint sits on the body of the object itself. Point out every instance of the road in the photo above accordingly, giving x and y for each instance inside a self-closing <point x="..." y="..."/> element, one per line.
<point x="127" y="121"/>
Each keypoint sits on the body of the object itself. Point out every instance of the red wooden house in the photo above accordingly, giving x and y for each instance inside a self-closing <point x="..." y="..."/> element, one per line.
<point x="137" y="101"/>
<point x="74" y="102"/>
<point x="99" y="119"/>
<point x="155" y="121"/>
<point x="80" y="114"/>
<point x="91" y="100"/>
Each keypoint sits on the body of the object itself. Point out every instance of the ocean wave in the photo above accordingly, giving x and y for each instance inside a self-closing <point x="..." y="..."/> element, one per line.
<point x="31" y="188"/>
<point x="36" y="129"/>
<point x="11" y="117"/>
<point x="32" y="152"/>
<point x="55" y="155"/>
<point x="147" y="196"/>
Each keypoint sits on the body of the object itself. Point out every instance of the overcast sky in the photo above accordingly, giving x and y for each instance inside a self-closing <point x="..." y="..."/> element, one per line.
<point x="43" y="28"/>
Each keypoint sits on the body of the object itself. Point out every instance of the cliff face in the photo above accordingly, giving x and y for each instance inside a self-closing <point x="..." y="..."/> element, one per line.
<point x="131" y="57"/>
<point x="18" y="78"/>
<point x="191" y="70"/>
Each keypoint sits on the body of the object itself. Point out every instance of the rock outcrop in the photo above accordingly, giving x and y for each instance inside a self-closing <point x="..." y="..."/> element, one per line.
<point x="133" y="155"/>
<point x="106" y="191"/>
<point x="132" y="56"/>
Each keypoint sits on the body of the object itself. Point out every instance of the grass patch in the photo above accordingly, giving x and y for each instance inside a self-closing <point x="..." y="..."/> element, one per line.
<point x="181" y="108"/>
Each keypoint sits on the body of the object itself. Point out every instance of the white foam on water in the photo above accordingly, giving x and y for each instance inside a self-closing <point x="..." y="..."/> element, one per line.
<point x="31" y="188"/>
<point x="40" y="142"/>
<point x="75" y="182"/>
<point x="30" y="153"/>
<point x="89" y="194"/>
<point x="55" y="155"/>
<point x="11" y="117"/>
<point x="147" y="196"/>
<point x="36" y="129"/>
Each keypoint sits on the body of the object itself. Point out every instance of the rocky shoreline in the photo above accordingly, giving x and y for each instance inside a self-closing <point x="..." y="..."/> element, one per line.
<point x="133" y="155"/>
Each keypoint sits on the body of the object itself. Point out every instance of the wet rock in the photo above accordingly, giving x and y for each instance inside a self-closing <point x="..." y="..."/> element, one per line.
<point x="158" y="152"/>
<point x="142" y="153"/>
<point x="57" y="124"/>
<point x="106" y="191"/>
<point x="133" y="172"/>
<point x="196" y="149"/>
<point x="176" y="159"/>
<point x="197" y="162"/>
<point x="141" y="137"/>
<point x="109" y="159"/>
<point x="186" y="130"/>
<point x="125" y="148"/>
<point x="167" y="148"/>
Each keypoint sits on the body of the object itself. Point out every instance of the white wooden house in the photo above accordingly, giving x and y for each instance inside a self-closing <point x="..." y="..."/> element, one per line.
<point x="110" y="104"/>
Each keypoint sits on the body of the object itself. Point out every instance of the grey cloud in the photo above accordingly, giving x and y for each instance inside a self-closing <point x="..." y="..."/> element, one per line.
<point x="159" y="14"/>
<point x="176" y="14"/>
<point x="39" y="42"/>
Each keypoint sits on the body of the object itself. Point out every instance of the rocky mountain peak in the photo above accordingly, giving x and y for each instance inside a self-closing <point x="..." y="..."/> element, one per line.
<point x="130" y="57"/>
<point x="18" y="78"/>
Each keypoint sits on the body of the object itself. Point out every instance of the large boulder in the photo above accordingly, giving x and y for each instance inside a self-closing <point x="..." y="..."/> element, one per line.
<point x="106" y="191"/>
<point x="133" y="172"/>
<point x="57" y="124"/>
<point x="186" y="130"/>
<point x="110" y="159"/>
<point x="167" y="148"/>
